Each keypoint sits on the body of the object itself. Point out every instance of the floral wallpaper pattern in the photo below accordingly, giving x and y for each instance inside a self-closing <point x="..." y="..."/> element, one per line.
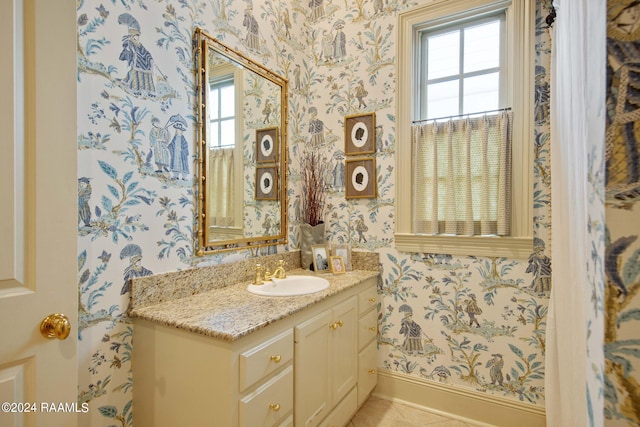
<point x="471" y="322"/>
<point x="622" y="253"/>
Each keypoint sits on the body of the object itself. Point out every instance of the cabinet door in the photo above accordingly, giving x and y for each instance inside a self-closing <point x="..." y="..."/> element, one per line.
<point x="312" y="399"/>
<point x="344" y="348"/>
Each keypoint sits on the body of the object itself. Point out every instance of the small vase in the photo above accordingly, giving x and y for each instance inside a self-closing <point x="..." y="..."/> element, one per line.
<point x="310" y="235"/>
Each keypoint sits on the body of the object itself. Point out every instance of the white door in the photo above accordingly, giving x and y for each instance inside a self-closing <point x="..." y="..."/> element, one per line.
<point x="38" y="211"/>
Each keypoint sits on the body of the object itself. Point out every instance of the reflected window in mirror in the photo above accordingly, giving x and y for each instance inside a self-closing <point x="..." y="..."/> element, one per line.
<point x="222" y="113"/>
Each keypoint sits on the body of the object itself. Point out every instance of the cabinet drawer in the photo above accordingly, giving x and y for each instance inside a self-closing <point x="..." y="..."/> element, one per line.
<point x="270" y="403"/>
<point x="367" y="299"/>
<point x="367" y="328"/>
<point x="261" y="360"/>
<point x="367" y="372"/>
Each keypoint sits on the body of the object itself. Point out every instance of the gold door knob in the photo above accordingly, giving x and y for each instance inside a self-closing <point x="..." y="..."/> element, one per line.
<point x="274" y="406"/>
<point x="55" y="325"/>
<point x="372" y="371"/>
<point x="372" y="300"/>
<point x="277" y="358"/>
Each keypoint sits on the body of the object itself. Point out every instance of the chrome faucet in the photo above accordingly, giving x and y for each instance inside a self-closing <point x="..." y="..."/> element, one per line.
<point x="278" y="273"/>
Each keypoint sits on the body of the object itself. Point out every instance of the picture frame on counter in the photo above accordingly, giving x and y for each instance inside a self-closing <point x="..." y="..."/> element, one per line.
<point x="343" y="251"/>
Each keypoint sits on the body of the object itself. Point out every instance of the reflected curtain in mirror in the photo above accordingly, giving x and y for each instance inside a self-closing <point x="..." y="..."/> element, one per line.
<point x="221" y="209"/>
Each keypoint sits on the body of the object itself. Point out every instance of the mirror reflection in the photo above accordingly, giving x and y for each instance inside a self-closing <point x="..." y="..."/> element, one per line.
<point x="242" y="125"/>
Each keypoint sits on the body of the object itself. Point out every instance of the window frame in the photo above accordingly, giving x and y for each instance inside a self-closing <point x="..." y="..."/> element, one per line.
<point x="519" y="24"/>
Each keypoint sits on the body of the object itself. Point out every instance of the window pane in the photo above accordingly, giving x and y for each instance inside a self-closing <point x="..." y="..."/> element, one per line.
<point x="443" y="55"/>
<point x="213" y="135"/>
<point x="227" y="101"/>
<point x="481" y="93"/>
<point x="482" y="47"/>
<point x="228" y="131"/>
<point x="442" y="99"/>
<point x="213" y="103"/>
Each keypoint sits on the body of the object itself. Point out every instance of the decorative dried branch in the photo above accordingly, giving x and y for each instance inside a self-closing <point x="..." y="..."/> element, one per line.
<point x="313" y="168"/>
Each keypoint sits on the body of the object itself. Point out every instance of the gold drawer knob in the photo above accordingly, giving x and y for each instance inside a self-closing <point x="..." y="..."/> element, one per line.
<point x="372" y="329"/>
<point x="372" y="300"/>
<point x="277" y="358"/>
<point x="274" y="406"/>
<point x="372" y="371"/>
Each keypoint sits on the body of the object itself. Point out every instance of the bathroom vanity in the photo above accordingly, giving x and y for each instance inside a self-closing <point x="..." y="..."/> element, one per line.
<point x="227" y="357"/>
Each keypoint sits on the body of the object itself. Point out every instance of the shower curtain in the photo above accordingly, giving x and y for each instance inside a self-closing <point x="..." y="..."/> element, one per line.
<point x="574" y="355"/>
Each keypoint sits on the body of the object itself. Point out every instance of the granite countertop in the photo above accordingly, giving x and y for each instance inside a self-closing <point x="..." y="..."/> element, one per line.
<point x="232" y="312"/>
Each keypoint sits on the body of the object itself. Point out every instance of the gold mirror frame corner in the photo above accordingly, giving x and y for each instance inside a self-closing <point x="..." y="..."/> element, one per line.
<point x="203" y="43"/>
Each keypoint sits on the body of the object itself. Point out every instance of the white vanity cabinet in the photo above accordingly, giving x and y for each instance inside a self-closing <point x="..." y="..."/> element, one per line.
<point x="312" y="367"/>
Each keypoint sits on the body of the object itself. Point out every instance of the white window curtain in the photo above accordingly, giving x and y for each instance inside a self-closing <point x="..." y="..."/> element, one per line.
<point x="462" y="175"/>
<point x="221" y="180"/>
<point x="574" y="360"/>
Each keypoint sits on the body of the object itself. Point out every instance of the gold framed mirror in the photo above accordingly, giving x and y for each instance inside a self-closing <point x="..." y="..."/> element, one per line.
<point x="242" y="150"/>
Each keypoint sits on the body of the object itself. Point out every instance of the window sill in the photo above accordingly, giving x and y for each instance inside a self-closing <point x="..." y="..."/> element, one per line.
<point x="483" y="246"/>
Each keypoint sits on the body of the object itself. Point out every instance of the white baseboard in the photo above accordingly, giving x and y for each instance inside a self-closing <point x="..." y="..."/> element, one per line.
<point x="463" y="404"/>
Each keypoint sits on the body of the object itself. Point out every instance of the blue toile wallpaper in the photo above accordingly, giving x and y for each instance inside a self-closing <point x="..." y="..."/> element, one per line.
<point x="469" y="322"/>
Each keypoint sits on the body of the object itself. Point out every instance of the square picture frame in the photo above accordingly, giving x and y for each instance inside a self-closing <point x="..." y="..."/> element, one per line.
<point x="361" y="178"/>
<point x="360" y="134"/>
<point x="266" y="183"/>
<point x="345" y="252"/>
<point x="336" y="265"/>
<point x="267" y="145"/>
<point x="320" y="254"/>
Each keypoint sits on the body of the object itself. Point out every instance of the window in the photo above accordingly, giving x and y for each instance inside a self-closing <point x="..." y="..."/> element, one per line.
<point x="460" y="66"/>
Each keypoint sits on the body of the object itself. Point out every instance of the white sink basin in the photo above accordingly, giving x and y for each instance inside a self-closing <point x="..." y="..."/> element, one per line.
<point x="290" y="286"/>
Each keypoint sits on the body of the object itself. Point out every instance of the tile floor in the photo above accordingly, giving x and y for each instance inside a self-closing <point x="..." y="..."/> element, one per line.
<point x="377" y="412"/>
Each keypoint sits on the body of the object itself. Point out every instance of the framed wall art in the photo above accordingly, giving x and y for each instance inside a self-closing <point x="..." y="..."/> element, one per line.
<point x="360" y="177"/>
<point x="266" y="183"/>
<point x="360" y="134"/>
<point x="267" y="145"/>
